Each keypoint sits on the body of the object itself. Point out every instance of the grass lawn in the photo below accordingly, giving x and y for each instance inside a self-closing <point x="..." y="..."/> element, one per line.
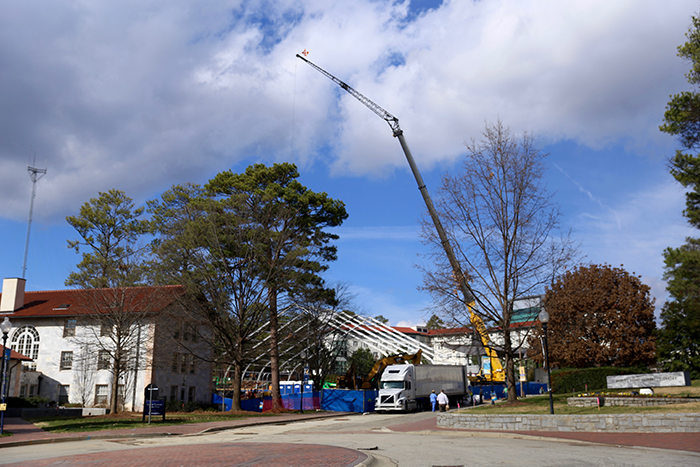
<point x="540" y="404"/>
<point x="127" y="420"/>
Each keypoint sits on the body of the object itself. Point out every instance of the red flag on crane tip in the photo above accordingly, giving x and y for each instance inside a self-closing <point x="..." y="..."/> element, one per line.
<point x="305" y="53"/>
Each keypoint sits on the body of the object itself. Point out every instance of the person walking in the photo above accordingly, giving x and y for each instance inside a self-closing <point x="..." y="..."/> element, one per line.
<point x="443" y="401"/>
<point x="433" y="399"/>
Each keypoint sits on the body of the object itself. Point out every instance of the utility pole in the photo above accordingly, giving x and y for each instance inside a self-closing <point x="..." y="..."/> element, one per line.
<point x="34" y="174"/>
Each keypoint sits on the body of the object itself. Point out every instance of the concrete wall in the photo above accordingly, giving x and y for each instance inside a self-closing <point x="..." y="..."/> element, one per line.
<point x="634" y="423"/>
<point x="627" y="401"/>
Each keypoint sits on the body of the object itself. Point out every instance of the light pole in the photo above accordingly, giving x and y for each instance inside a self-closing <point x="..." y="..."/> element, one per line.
<point x="5" y="327"/>
<point x="544" y="319"/>
<point x="303" y="380"/>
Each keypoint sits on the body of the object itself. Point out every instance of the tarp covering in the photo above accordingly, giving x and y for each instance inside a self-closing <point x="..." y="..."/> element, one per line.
<point x="344" y="400"/>
<point x="312" y="401"/>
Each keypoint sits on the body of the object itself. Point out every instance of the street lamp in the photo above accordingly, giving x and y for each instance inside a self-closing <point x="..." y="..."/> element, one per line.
<point x="303" y="380"/>
<point x="5" y="327"/>
<point x="544" y="319"/>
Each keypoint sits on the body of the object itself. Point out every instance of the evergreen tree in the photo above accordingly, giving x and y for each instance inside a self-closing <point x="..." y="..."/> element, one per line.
<point x="598" y="316"/>
<point x="680" y="332"/>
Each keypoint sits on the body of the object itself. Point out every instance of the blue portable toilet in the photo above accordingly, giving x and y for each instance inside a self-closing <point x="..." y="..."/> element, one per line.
<point x="297" y="387"/>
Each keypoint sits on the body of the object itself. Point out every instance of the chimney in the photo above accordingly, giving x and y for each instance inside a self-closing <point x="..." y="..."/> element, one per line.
<point x="12" y="294"/>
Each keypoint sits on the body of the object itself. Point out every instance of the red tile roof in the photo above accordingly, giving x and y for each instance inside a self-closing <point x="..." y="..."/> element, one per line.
<point x="15" y="355"/>
<point x="71" y="302"/>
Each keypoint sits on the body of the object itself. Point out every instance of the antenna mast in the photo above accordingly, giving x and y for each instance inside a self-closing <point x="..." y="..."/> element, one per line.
<point x="34" y="174"/>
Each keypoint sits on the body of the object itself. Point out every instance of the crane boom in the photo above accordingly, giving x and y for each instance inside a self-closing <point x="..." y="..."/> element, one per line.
<point x="390" y="119"/>
<point x="398" y="133"/>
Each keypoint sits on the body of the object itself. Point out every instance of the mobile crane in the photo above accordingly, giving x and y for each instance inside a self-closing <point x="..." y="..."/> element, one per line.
<point x="495" y="373"/>
<point x="393" y="122"/>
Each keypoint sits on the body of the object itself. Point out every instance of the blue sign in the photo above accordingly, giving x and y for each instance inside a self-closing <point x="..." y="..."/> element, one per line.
<point x="156" y="406"/>
<point x="306" y="374"/>
<point x="8" y="353"/>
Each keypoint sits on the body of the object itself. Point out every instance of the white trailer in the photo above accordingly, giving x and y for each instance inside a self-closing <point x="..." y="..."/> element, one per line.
<point x="408" y="387"/>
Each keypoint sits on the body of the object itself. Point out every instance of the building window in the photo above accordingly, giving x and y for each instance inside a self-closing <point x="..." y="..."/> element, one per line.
<point x="103" y="360"/>
<point x="26" y="341"/>
<point x="66" y="360"/>
<point x="101" y="393"/>
<point x="175" y="362"/>
<point x="105" y="330"/>
<point x="191" y="364"/>
<point x="183" y="363"/>
<point x="33" y="390"/>
<point x="191" y="393"/>
<point x="63" y="393"/>
<point x="173" y="393"/>
<point x="23" y="390"/>
<point x="69" y="327"/>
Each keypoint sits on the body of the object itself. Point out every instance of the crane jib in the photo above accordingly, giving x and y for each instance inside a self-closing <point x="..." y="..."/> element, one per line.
<point x="398" y="133"/>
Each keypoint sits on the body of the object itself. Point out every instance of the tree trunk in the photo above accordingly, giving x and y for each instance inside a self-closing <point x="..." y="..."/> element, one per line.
<point x="510" y="368"/>
<point x="237" y="377"/>
<point x="114" y="396"/>
<point x="274" y="351"/>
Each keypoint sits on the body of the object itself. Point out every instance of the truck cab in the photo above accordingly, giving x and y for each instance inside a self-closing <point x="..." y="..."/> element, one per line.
<point x="397" y="390"/>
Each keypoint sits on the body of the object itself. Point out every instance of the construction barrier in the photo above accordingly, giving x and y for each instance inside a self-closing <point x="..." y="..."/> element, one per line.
<point x="345" y="400"/>
<point x="311" y="401"/>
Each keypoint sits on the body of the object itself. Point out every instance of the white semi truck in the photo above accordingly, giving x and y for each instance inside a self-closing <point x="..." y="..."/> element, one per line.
<point x="405" y="388"/>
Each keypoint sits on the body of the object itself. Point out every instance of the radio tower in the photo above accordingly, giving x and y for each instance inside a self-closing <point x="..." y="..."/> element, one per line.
<point x="34" y="174"/>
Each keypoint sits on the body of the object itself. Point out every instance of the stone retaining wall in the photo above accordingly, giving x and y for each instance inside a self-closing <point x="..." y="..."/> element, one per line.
<point x="627" y="401"/>
<point x="636" y="423"/>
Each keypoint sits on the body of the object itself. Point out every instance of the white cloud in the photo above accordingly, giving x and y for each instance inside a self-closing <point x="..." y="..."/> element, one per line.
<point x="636" y="230"/>
<point x="141" y="95"/>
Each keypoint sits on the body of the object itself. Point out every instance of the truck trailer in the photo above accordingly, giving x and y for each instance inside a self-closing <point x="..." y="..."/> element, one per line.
<point x="404" y="388"/>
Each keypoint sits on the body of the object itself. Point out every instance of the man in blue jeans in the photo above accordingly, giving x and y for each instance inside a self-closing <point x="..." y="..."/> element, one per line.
<point x="433" y="399"/>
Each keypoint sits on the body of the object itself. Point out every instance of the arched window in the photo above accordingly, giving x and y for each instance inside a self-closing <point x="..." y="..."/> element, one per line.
<point x="25" y="340"/>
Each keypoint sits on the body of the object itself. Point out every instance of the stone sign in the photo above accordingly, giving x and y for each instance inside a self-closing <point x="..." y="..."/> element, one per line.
<point x="649" y="380"/>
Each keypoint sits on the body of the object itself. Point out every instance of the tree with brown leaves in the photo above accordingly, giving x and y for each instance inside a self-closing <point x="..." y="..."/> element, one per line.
<point x="598" y="316"/>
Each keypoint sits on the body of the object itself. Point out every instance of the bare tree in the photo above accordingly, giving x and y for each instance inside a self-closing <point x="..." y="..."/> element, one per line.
<point x="321" y="340"/>
<point x="113" y="308"/>
<point x="114" y="324"/>
<point x="505" y="231"/>
<point x="84" y="373"/>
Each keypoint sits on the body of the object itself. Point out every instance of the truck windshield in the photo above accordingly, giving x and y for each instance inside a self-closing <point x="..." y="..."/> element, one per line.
<point x="392" y="385"/>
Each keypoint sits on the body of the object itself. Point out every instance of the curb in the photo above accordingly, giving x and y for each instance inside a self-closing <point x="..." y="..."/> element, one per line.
<point x="126" y="436"/>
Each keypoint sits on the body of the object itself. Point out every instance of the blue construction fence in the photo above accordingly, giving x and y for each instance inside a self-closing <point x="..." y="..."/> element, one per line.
<point x="488" y="390"/>
<point x="310" y="401"/>
<point x="344" y="400"/>
<point x="333" y="400"/>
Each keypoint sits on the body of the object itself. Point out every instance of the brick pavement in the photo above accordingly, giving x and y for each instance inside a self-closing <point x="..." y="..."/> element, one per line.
<point x="676" y="441"/>
<point x="25" y="433"/>
<point x="219" y="455"/>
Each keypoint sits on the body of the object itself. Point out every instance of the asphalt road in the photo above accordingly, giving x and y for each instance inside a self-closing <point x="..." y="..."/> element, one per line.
<point x="408" y="440"/>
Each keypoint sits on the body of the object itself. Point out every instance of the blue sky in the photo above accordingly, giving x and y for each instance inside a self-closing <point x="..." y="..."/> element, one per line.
<point x="139" y="96"/>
